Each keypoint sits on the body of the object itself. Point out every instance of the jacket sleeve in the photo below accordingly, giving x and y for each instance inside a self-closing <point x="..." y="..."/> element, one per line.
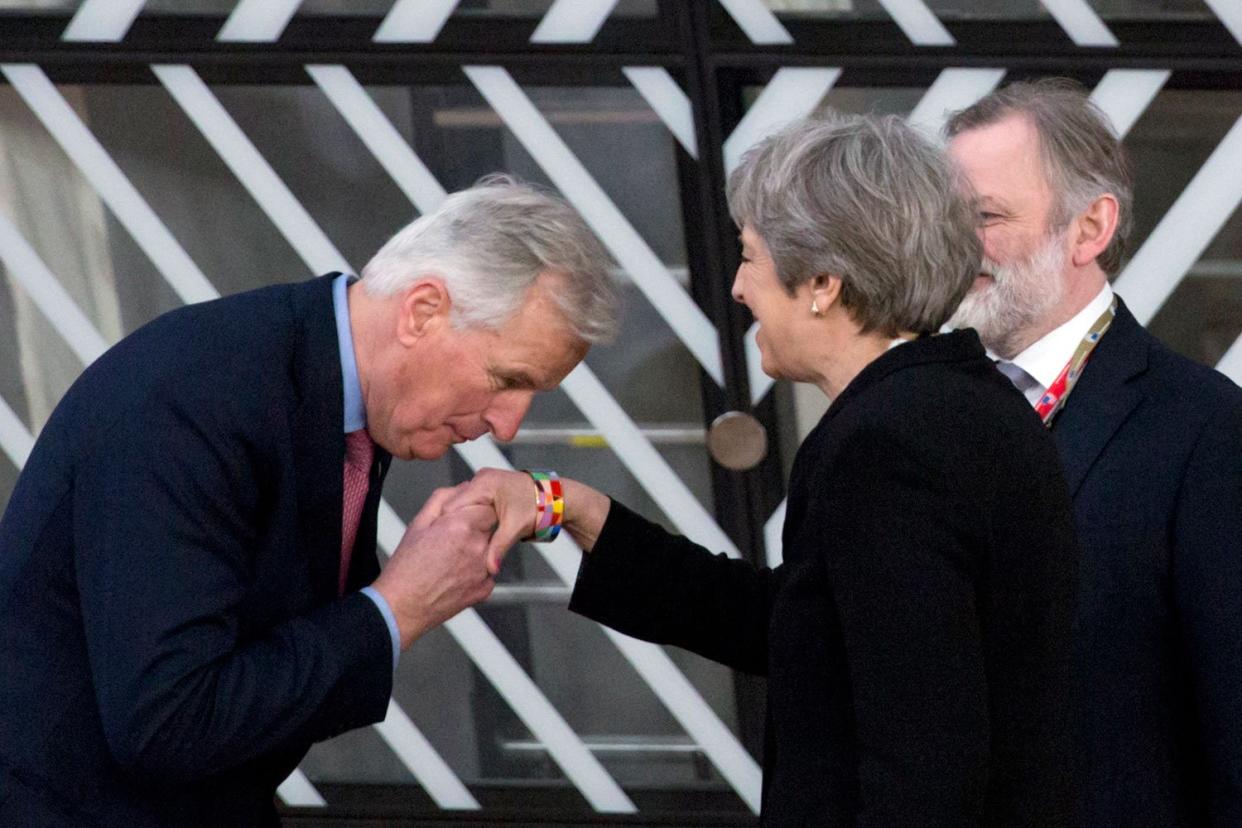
<point x="167" y="510"/>
<point x="903" y="584"/>
<point x="659" y="587"/>
<point x="1207" y="565"/>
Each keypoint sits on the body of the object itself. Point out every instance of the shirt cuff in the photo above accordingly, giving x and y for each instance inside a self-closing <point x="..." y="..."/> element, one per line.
<point x="389" y="619"/>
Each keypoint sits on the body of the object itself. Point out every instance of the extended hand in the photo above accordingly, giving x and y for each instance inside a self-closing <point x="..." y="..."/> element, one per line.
<point x="511" y="496"/>
<point x="439" y="567"/>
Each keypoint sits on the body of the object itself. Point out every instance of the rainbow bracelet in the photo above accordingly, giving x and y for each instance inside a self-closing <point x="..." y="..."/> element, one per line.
<point x="549" y="505"/>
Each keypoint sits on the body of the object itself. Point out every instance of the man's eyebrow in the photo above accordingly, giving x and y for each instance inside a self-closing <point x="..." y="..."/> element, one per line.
<point x="519" y="378"/>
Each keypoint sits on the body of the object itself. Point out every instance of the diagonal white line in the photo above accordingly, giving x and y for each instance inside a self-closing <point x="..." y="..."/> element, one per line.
<point x="15" y="439"/>
<point x="617" y="234"/>
<point x="572" y="21"/>
<point x="107" y="179"/>
<point x="757" y="22"/>
<point x="104" y="21"/>
<point x="1230" y="13"/>
<point x="1231" y="363"/>
<point x="474" y="637"/>
<point x="1185" y="231"/>
<point x="644" y="462"/>
<point x="381" y="138"/>
<point x="25" y="266"/>
<point x="1124" y="94"/>
<point x="792" y="93"/>
<point x="258" y="21"/>
<point x="297" y="790"/>
<point x="251" y="169"/>
<point x="772" y="540"/>
<point x="522" y="694"/>
<point x="759" y="382"/>
<point x="1080" y="22"/>
<point x="415" y="21"/>
<point x="409" y="743"/>
<point x="918" y="23"/>
<point x="651" y="662"/>
<point x="953" y="89"/>
<point x="668" y="100"/>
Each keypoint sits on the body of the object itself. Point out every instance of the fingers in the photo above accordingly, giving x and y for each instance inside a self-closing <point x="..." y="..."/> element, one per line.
<point x="434" y="507"/>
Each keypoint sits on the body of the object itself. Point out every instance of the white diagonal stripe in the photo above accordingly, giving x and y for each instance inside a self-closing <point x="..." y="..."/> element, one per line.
<point x="772" y="535"/>
<point x="380" y="136"/>
<point x="15" y="438"/>
<point x="668" y="100"/>
<point x="1080" y="22"/>
<point x="1231" y="363"/>
<point x="25" y="266"/>
<point x="644" y="462"/>
<point x="297" y="790"/>
<point x="415" y="21"/>
<point x="1124" y="94"/>
<point x="104" y="21"/>
<point x="1230" y="13"/>
<point x="953" y="89"/>
<point x="107" y="179"/>
<point x="434" y="774"/>
<point x="521" y="693"/>
<point x="572" y="21"/>
<point x="617" y="234"/>
<point x="792" y="93"/>
<point x="650" y="661"/>
<point x="759" y="381"/>
<point x="757" y="22"/>
<point x="1185" y="231"/>
<point x="258" y="21"/>
<point x="474" y="637"/>
<point x="653" y="665"/>
<point x="918" y="23"/>
<point x="251" y="168"/>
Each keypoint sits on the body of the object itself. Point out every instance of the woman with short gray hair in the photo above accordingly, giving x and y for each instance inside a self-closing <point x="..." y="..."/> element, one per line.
<point x="916" y="639"/>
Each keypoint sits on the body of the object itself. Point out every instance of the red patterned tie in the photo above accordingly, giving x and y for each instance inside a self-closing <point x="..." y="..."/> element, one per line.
<point x="359" y="451"/>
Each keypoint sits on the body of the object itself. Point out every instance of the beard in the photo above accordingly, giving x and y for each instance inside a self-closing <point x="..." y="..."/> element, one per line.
<point x="1020" y="294"/>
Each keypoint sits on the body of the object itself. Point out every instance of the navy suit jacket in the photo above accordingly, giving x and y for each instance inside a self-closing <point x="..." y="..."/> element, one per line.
<point x="1151" y="445"/>
<point x="171" y="639"/>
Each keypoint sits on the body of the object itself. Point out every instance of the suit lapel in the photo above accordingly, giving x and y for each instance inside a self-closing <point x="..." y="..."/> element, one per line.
<point x="1103" y="399"/>
<point x="319" y="440"/>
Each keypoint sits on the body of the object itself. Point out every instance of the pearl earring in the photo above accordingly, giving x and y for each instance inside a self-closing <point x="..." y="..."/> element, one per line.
<point x="815" y="308"/>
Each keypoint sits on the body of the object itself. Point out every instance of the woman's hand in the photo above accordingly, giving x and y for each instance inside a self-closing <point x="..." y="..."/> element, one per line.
<point x="512" y="495"/>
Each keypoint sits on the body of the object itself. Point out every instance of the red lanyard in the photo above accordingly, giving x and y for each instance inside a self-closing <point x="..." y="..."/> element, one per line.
<point x="1054" y="398"/>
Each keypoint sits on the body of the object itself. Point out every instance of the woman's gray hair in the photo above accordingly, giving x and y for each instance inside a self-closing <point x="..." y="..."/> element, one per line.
<point x="870" y="200"/>
<point x="1081" y="155"/>
<point x="489" y="244"/>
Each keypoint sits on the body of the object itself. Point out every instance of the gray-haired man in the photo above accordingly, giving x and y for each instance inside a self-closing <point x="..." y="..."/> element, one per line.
<point x="1151" y="444"/>
<point x="188" y="581"/>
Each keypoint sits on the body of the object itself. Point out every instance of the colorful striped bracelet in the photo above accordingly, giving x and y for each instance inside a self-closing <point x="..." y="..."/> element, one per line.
<point x="549" y="505"/>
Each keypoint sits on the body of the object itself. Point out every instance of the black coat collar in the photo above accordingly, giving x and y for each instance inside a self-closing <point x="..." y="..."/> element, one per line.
<point x="958" y="346"/>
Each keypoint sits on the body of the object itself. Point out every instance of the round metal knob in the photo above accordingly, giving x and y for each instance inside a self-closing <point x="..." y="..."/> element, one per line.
<point x="736" y="440"/>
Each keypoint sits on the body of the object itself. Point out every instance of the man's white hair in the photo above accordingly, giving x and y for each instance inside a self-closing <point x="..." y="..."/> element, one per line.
<point x="489" y="244"/>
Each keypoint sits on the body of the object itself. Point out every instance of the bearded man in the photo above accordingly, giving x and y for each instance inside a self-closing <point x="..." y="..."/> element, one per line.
<point x="1151" y="445"/>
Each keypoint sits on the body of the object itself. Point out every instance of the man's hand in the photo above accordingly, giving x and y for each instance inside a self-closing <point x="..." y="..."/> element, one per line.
<point x="511" y="495"/>
<point x="438" y="569"/>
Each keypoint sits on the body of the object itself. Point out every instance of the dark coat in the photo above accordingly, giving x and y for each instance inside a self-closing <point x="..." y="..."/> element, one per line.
<point x="171" y="640"/>
<point x="1151" y="444"/>
<point x="917" y="637"/>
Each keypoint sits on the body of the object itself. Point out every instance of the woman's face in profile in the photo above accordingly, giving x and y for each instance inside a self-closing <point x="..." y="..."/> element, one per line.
<point x="758" y="287"/>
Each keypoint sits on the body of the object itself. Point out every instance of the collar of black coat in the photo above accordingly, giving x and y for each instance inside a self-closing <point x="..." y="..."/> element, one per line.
<point x="956" y="346"/>
<point x="1104" y="397"/>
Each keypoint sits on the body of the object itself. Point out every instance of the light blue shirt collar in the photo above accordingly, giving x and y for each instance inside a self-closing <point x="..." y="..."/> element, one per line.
<point x="355" y="410"/>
